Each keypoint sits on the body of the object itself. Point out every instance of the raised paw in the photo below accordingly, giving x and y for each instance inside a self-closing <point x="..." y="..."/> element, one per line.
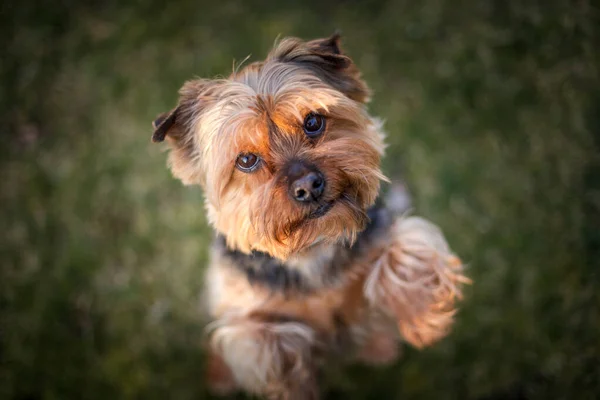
<point x="416" y="280"/>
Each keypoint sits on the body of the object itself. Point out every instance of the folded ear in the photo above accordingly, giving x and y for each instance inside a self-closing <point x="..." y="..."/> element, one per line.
<point x="326" y="58"/>
<point x="193" y="98"/>
<point x="163" y="123"/>
<point x="178" y="127"/>
<point x="330" y="45"/>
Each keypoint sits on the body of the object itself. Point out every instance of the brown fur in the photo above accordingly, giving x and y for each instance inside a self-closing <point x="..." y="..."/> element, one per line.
<point x="270" y="340"/>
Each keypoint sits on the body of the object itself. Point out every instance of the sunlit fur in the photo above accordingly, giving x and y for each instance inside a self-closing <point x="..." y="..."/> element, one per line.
<point x="269" y="341"/>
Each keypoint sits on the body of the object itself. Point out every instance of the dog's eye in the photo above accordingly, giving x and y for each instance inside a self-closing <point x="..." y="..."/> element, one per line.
<point x="247" y="162"/>
<point x="314" y="125"/>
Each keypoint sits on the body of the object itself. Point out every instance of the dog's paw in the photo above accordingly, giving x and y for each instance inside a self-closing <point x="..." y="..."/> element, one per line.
<point x="271" y="359"/>
<point x="416" y="280"/>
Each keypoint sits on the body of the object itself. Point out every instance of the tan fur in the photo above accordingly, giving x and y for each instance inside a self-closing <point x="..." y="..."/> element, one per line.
<point x="271" y="342"/>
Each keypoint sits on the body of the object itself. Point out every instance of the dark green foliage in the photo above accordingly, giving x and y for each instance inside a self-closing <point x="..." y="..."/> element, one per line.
<point x="493" y="115"/>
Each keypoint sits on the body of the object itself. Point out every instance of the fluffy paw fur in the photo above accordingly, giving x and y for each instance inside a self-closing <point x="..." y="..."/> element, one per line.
<point x="416" y="280"/>
<point x="272" y="359"/>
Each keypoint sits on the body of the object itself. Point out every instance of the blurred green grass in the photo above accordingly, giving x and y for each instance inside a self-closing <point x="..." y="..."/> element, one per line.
<point x="493" y="115"/>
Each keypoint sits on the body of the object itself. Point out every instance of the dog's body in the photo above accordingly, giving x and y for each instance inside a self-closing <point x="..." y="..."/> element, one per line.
<point x="304" y="266"/>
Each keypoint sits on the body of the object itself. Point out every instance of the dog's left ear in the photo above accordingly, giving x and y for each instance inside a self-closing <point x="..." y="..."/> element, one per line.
<point x="326" y="58"/>
<point x="330" y="45"/>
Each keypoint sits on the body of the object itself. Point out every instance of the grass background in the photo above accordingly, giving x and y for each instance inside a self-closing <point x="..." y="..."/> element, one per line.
<point x="493" y="115"/>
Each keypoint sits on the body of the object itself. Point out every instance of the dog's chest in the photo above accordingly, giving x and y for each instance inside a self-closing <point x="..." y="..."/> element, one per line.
<point x="232" y="294"/>
<point x="323" y="288"/>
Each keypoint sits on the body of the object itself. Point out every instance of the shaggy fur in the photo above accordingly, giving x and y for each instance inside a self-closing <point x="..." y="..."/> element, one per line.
<point x="291" y="283"/>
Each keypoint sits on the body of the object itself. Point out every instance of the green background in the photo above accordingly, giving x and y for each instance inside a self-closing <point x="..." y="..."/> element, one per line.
<point x="493" y="115"/>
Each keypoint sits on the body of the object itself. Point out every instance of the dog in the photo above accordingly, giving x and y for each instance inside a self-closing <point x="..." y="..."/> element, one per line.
<point x="307" y="264"/>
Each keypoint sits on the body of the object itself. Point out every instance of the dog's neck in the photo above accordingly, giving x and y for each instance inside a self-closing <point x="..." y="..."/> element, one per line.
<point x="322" y="265"/>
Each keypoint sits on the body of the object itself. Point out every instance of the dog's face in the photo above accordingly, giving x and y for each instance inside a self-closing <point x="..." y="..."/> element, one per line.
<point x="285" y="151"/>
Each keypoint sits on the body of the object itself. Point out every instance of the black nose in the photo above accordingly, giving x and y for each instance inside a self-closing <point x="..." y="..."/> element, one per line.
<point x="308" y="187"/>
<point x="306" y="183"/>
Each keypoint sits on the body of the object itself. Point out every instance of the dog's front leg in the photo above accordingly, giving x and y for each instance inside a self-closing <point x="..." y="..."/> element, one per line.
<point x="416" y="279"/>
<point x="267" y="357"/>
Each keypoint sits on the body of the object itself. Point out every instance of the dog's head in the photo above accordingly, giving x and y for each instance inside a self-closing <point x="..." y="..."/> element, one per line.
<point x="284" y="148"/>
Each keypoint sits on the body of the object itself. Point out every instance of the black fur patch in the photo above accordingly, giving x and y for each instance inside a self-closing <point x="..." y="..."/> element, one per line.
<point x="260" y="268"/>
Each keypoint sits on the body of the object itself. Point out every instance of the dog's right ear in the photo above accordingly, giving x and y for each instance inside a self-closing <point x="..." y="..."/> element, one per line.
<point x="163" y="123"/>
<point x="194" y="96"/>
<point x="177" y="127"/>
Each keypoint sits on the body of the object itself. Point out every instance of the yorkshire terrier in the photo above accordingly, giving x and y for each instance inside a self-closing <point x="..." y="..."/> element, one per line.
<point x="305" y="264"/>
